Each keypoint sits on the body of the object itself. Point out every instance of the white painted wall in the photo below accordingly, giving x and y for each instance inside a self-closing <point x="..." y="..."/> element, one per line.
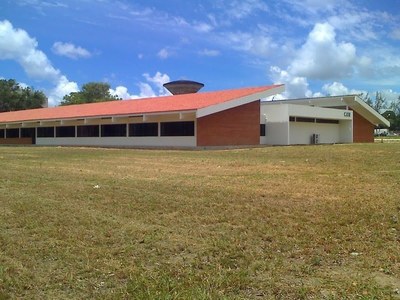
<point x="276" y="119"/>
<point x="301" y="132"/>
<point x="346" y="131"/>
<point x="279" y="131"/>
<point x="170" y="141"/>
<point x="319" y="112"/>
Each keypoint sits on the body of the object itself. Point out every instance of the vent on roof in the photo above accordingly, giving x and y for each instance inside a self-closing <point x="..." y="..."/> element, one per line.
<point x="179" y="87"/>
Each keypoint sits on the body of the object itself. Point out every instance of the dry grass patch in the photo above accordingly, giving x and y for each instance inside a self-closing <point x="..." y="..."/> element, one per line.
<point x="271" y="223"/>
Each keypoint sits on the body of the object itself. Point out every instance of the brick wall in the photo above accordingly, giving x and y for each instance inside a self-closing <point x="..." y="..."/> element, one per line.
<point x="363" y="130"/>
<point x="235" y="126"/>
<point x="16" y="141"/>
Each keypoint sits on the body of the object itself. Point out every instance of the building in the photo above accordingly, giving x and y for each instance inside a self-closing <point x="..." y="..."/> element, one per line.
<point x="339" y="119"/>
<point x="191" y="119"/>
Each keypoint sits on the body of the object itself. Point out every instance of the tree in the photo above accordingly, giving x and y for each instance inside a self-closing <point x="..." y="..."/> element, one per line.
<point x="395" y="106"/>
<point x="390" y="111"/>
<point x="380" y="102"/>
<point x="366" y="98"/>
<point x="91" y="92"/>
<point x="395" y="116"/>
<point x="14" y="97"/>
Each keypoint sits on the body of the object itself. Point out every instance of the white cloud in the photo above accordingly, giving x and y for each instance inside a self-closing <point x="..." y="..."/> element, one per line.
<point x="318" y="94"/>
<point x="146" y="89"/>
<point x="335" y="89"/>
<point x="395" y="34"/>
<point x="70" y="50"/>
<point x="321" y="57"/>
<point x="240" y="9"/>
<point x="350" y="20"/>
<point x="381" y="67"/>
<point x="256" y="43"/>
<point x="164" y="53"/>
<point x="324" y="57"/>
<point x="179" y="21"/>
<point x="143" y="12"/>
<point x="364" y="66"/>
<point x="202" y="27"/>
<point x="158" y="80"/>
<point x="391" y="95"/>
<point x="40" y="3"/>
<point x="64" y="87"/>
<point x="21" y="84"/>
<point x="121" y="92"/>
<point x="295" y="86"/>
<point x="298" y="87"/>
<point x="338" y="89"/>
<point x="313" y="7"/>
<point x="17" y="45"/>
<point x="208" y="52"/>
<point x="357" y="26"/>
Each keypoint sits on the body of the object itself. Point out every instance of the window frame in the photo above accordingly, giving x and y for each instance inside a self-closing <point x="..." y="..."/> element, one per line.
<point x="143" y="129"/>
<point x="263" y="130"/>
<point x="113" y="130"/>
<point x="45" y="132"/>
<point x="64" y="131"/>
<point x="177" y="128"/>
<point x="87" y="131"/>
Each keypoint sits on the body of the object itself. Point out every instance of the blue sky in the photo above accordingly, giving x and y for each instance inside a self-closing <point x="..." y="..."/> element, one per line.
<point x="314" y="47"/>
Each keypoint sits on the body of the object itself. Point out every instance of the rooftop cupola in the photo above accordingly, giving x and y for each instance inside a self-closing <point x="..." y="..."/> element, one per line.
<point x="180" y="87"/>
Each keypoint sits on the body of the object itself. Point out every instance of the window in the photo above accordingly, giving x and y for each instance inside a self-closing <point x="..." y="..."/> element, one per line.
<point x="88" y="131"/>
<point x="177" y="129"/>
<point x="27" y="132"/>
<point x="65" y="131"/>
<point x="301" y="119"/>
<point x="262" y="129"/>
<point x="113" y="130"/>
<point x="45" y="132"/>
<point x="327" y="121"/>
<point x="143" y="129"/>
<point x="2" y="133"/>
<point x="312" y="120"/>
<point x="12" y="133"/>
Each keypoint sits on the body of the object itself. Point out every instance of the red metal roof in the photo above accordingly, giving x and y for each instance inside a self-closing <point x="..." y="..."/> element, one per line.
<point x="177" y="103"/>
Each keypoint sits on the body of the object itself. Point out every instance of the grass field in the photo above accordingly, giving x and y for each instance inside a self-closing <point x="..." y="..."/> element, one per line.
<point x="314" y="222"/>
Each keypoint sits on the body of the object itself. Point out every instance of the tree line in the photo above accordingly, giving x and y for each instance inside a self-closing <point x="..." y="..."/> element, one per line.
<point x="90" y="93"/>
<point x="13" y="97"/>
<point x="389" y="109"/>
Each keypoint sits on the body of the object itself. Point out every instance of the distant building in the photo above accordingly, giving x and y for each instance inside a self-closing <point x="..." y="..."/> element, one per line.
<point x="381" y="131"/>
<point x="189" y="118"/>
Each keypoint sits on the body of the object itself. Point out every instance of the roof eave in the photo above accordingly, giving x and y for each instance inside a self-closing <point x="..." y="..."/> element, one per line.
<point x="101" y="116"/>
<point x="212" y="109"/>
<point x="367" y="111"/>
<point x="353" y="101"/>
